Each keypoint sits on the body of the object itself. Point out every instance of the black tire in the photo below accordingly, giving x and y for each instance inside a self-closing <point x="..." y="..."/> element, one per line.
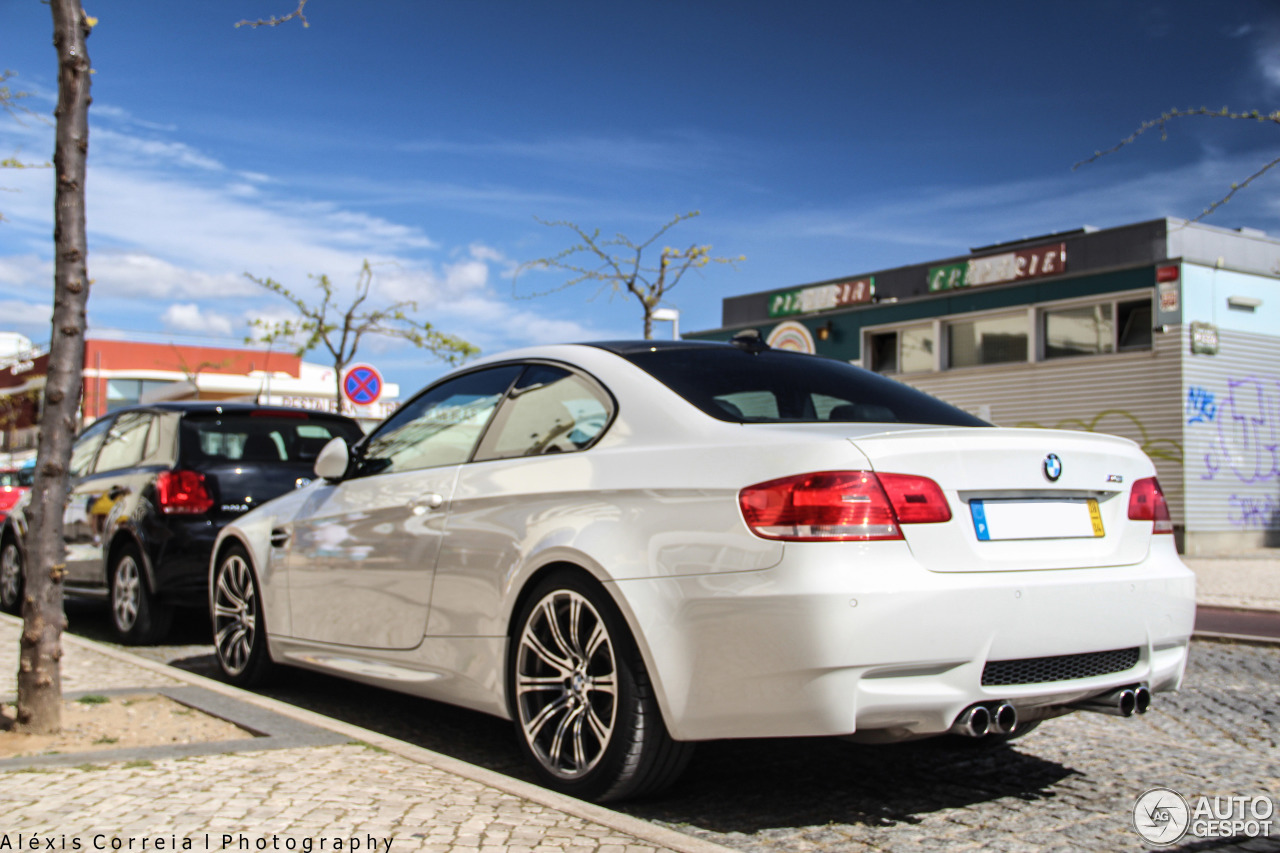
<point x="11" y="579"/>
<point x="136" y="616"/>
<point x="585" y="712"/>
<point x="239" y="632"/>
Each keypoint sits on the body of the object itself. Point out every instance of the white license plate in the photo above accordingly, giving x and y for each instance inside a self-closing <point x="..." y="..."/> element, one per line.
<point x="1036" y="519"/>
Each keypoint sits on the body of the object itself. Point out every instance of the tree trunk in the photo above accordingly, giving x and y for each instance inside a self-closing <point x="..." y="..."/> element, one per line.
<point x="337" y="386"/>
<point x="39" y="674"/>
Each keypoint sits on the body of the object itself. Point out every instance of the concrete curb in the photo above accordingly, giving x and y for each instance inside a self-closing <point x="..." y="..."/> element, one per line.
<point x="623" y="823"/>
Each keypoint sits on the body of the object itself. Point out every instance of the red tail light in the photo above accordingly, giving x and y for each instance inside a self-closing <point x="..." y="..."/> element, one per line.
<point x="182" y="493"/>
<point x="841" y="506"/>
<point x="1147" y="503"/>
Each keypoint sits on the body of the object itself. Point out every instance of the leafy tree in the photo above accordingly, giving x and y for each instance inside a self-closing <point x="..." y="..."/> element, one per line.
<point x="1161" y="124"/>
<point x="619" y="265"/>
<point x="341" y="330"/>
<point x="39" y="708"/>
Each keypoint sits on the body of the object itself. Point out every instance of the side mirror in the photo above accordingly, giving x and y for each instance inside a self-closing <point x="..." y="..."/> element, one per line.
<point x="333" y="459"/>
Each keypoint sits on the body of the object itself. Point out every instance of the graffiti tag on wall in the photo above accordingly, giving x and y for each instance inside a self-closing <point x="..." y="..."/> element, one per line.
<point x="1122" y="423"/>
<point x="1243" y="426"/>
<point x="1247" y="441"/>
<point x="1253" y="511"/>
<point x="1200" y="405"/>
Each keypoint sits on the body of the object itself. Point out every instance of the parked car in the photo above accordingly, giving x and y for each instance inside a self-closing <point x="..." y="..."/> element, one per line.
<point x="151" y="486"/>
<point x="630" y="547"/>
<point x="14" y="483"/>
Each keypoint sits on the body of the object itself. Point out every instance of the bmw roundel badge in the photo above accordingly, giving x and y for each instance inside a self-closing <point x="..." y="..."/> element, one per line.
<point x="1052" y="467"/>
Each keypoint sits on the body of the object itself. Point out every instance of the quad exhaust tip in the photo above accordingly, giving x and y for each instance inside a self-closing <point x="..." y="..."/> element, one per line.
<point x="992" y="718"/>
<point x="1004" y="720"/>
<point x="1122" y="702"/>
<point x="974" y="721"/>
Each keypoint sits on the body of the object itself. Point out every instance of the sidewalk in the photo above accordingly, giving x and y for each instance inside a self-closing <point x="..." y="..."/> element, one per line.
<point x="1250" y="581"/>
<point x="312" y="784"/>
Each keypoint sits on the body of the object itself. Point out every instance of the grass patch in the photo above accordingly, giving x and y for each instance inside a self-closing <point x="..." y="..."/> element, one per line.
<point x="105" y="739"/>
<point x="369" y="747"/>
<point x="93" y="699"/>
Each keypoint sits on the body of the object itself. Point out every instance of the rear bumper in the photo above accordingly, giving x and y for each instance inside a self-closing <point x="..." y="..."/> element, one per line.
<point x="179" y="554"/>
<point x="844" y="638"/>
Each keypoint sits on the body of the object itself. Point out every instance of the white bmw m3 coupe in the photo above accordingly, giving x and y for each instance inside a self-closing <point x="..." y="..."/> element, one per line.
<point x="627" y="548"/>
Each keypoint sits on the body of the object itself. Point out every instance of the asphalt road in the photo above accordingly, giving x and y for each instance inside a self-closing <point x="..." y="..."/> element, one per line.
<point x="1069" y="785"/>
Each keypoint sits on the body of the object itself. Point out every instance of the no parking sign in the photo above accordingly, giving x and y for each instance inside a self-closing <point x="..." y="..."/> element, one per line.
<point x="362" y="384"/>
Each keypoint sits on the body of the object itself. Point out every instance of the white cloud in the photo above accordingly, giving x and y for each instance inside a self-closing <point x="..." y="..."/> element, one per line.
<point x="123" y="273"/>
<point x="189" y="317"/>
<point x="26" y="271"/>
<point x="32" y="319"/>
<point x="1268" y="59"/>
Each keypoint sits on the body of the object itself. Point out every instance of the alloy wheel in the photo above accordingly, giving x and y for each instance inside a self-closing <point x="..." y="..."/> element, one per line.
<point x="235" y="614"/>
<point x="126" y="593"/>
<point x="566" y="684"/>
<point x="10" y="576"/>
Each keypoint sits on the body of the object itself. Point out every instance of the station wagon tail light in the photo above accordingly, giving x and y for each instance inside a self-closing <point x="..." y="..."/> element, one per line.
<point x="841" y="506"/>
<point x="182" y="493"/>
<point x="1147" y="503"/>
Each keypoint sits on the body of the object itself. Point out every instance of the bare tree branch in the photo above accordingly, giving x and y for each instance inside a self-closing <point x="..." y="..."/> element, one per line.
<point x="274" y="21"/>
<point x="618" y="265"/>
<point x="1161" y="124"/>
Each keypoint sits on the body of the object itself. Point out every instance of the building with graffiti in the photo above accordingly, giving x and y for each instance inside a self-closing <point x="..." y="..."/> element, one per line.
<point x="1166" y="332"/>
<point x="123" y="372"/>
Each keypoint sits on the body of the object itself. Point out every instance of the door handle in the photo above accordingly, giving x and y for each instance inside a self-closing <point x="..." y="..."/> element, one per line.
<point x="425" y="503"/>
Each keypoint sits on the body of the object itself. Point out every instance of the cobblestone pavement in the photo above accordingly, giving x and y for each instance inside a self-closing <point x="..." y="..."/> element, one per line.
<point x="349" y="798"/>
<point x="1070" y="785"/>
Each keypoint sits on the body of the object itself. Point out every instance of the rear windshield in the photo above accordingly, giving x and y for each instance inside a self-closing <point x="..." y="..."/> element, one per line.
<point x="776" y="386"/>
<point x="250" y="437"/>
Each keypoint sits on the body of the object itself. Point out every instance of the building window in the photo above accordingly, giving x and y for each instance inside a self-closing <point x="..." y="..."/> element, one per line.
<point x="1134" y="323"/>
<point x="907" y="350"/>
<point x="127" y="392"/>
<point x="1083" y="330"/>
<point x="989" y="340"/>
<point x="883" y="349"/>
<point x="1097" y="329"/>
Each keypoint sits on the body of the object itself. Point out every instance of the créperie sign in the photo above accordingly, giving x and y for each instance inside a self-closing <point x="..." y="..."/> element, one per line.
<point x="821" y="297"/>
<point x="997" y="269"/>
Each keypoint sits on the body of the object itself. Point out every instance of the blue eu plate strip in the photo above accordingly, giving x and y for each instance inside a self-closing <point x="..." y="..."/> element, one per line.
<point x="980" y="521"/>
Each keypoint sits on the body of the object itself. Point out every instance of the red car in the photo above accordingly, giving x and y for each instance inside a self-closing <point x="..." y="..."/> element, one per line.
<point x="14" y="483"/>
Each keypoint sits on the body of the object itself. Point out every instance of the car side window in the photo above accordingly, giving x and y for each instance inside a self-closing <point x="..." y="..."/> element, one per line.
<point x="86" y="447"/>
<point x="550" y="410"/>
<point x="124" y="443"/>
<point x="439" y="427"/>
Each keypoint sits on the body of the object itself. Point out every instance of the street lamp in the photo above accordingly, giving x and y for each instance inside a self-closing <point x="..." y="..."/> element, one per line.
<point x="673" y="316"/>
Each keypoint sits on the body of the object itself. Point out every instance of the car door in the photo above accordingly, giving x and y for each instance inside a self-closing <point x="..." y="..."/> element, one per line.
<point x="78" y="530"/>
<point x="530" y="481"/>
<point x="362" y="552"/>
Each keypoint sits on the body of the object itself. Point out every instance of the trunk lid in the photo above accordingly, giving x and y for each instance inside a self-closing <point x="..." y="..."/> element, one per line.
<point x="1021" y="499"/>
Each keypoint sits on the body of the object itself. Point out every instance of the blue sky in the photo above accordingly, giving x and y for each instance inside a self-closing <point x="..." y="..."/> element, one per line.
<point x="818" y="139"/>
